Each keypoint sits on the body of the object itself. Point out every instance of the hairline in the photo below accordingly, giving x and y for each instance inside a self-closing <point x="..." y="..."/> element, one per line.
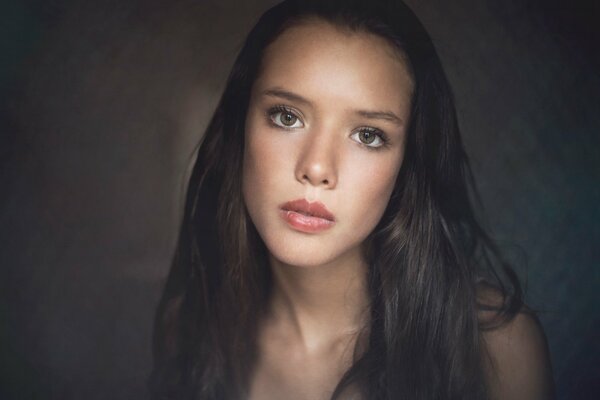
<point x="345" y="27"/>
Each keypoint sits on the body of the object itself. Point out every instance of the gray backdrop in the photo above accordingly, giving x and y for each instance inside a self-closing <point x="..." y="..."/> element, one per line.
<point x="103" y="102"/>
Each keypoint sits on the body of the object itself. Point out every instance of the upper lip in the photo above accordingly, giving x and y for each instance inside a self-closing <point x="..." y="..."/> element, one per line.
<point x="315" y="209"/>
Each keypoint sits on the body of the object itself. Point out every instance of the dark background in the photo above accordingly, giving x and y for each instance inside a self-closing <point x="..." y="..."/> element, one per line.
<point x="103" y="101"/>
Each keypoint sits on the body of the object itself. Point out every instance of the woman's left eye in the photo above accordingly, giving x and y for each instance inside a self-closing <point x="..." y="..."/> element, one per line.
<point x="285" y="118"/>
<point x="370" y="137"/>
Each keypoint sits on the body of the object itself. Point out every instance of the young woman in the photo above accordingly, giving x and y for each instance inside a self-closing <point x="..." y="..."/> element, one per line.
<point x="328" y="247"/>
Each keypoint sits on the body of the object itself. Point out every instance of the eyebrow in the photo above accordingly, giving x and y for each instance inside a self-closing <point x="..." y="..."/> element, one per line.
<point x="278" y="92"/>
<point x="384" y="115"/>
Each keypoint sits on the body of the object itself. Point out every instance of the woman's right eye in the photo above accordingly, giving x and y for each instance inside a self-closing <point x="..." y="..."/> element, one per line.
<point x="285" y="118"/>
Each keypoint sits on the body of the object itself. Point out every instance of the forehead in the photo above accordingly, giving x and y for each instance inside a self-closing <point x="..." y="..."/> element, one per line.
<point x="316" y="56"/>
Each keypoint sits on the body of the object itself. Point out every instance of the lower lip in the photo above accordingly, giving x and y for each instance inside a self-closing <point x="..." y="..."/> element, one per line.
<point x="304" y="223"/>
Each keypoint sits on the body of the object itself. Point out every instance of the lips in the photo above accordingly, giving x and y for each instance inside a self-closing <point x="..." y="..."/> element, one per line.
<point x="315" y="209"/>
<point x="307" y="217"/>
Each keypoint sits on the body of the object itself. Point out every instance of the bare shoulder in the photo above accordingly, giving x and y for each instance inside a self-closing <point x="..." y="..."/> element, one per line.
<point x="516" y="357"/>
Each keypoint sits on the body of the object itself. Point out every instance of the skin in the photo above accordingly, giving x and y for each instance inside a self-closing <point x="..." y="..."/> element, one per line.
<point x="516" y="359"/>
<point x="320" y="298"/>
<point x="330" y="82"/>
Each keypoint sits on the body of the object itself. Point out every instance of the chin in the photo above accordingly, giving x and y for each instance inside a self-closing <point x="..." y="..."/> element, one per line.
<point x="299" y="261"/>
<point x="313" y="254"/>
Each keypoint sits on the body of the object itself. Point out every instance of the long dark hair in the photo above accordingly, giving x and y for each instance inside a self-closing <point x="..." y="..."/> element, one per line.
<point x="427" y="256"/>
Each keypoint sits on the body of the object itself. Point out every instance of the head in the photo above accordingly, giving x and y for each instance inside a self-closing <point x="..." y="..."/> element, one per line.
<point x="343" y="103"/>
<point x="391" y="67"/>
<point x="326" y="122"/>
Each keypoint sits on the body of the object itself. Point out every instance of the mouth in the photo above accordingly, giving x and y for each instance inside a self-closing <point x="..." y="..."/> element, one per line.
<point x="307" y="217"/>
<point x="315" y="209"/>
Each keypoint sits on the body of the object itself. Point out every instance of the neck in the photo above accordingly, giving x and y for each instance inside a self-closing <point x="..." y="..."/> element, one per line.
<point x="320" y="304"/>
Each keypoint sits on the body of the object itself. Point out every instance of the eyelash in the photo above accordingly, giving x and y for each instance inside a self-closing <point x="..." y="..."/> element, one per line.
<point x="281" y="109"/>
<point x="284" y="109"/>
<point x="385" y="141"/>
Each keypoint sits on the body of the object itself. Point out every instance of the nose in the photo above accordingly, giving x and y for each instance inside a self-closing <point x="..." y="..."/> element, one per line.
<point x="317" y="162"/>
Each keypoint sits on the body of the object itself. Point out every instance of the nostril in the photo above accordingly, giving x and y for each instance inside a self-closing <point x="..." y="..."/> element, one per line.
<point x="315" y="180"/>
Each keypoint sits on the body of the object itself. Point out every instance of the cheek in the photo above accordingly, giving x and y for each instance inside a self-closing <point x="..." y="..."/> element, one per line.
<point x="262" y="169"/>
<point x="251" y="175"/>
<point x="373" y="186"/>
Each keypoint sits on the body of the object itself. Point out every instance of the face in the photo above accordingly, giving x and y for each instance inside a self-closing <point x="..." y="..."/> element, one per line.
<point x="324" y="136"/>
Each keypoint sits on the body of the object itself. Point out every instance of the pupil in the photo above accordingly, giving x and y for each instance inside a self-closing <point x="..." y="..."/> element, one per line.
<point x="367" y="137"/>
<point x="288" y="119"/>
